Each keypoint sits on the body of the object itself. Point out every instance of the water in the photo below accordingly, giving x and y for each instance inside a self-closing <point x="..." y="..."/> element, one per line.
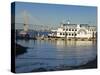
<point x="50" y="54"/>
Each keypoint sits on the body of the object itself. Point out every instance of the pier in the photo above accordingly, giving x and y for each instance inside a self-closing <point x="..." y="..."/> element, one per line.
<point x="66" y="39"/>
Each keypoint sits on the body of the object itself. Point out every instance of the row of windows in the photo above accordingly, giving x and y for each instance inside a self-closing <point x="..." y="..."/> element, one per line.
<point x="69" y="29"/>
<point x="68" y="34"/>
<point x="75" y="30"/>
<point x="91" y="30"/>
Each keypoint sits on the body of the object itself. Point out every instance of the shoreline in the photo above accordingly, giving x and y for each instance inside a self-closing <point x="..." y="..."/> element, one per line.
<point x="20" y="49"/>
<point x="90" y="65"/>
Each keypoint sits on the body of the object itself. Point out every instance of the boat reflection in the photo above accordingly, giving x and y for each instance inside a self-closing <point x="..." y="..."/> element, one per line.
<point x="62" y="43"/>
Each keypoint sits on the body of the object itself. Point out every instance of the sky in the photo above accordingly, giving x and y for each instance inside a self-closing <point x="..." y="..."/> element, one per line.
<point x="54" y="14"/>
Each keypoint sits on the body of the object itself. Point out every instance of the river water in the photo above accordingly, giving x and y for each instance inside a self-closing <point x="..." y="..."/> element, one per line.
<point x="50" y="54"/>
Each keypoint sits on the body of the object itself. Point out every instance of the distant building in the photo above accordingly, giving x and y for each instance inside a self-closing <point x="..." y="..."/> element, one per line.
<point x="68" y="30"/>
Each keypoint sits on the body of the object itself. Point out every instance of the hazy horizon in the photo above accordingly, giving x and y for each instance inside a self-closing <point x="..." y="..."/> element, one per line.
<point x="54" y="14"/>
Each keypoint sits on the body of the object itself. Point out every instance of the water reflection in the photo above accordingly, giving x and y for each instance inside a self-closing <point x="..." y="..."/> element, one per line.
<point x="54" y="53"/>
<point x="74" y="43"/>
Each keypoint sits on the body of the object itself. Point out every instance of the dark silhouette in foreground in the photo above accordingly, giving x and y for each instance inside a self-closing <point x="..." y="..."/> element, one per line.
<point x="20" y="49"/>
<point x="90" y="65"/>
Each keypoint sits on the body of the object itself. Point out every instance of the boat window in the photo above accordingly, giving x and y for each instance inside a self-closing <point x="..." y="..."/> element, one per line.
<point x="63" y="34"/>
<point x="69" y="34"/>
<point x="72" y="29"/>
<point x="66" y="34"/>
<point x="72" y="34"/>
<point x="75" y="34"/>
<point x="69" y="29"/>
<point x="60" y="33"/>
<point x="92" y="29"/>
<point x="75" y="29"/>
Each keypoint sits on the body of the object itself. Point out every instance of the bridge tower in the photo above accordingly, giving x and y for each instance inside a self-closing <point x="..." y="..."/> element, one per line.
<point x="25" y="21"/>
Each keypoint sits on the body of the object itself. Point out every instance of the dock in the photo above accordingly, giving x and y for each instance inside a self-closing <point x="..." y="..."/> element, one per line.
<point x="65" y="39"/>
